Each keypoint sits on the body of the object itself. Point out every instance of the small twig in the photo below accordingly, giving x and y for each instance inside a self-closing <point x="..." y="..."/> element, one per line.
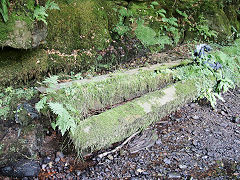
<point x="174" y="3"/>
<point x="119" y="147"/>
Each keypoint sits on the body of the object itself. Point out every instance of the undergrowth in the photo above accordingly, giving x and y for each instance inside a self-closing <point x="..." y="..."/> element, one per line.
<point x="212" y="83"/>
<point x="10" y="98"/>
<point x="170" y="28"/>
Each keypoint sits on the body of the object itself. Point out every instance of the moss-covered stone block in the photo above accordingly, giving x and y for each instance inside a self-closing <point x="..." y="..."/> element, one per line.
<point x="89" y="95"/>
<point x="114" y="125"/>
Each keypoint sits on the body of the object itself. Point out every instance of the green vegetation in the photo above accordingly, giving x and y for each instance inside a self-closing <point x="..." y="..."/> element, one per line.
<point x="10" y="98"/>
<point x="4" y="9"/>
<point x="120" y="28"/>
<point x="40" y="12"/>
<point x="80" y="26"/>
<point x="75" y="103"/>
<point x="203" y="29"/>
<point x="224" y="78"/>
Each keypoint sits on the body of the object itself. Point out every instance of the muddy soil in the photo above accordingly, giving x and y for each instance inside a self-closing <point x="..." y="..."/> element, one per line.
<point x="195" y="142"/>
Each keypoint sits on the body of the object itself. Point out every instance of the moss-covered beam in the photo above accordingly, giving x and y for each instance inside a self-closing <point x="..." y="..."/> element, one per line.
<point x="132" y="72"/>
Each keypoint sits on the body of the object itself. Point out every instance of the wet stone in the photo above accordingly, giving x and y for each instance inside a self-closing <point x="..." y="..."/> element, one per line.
<point x="167" y="161"/>
<point x="22" y="168"/>
<point x="182" y="166"/>
<point x="195" y="117"/>
<point x="174" y="175"/>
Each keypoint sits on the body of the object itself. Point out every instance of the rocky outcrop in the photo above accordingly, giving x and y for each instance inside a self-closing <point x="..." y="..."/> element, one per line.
<point x="23" y="37"/>
<point x="21" y="30"/>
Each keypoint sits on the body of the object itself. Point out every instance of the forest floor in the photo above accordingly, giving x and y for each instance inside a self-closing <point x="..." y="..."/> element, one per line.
<point x="195" y="142"/>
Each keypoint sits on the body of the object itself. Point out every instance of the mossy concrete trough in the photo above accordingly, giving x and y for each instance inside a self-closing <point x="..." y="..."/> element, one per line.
<point x="114" y="125"/>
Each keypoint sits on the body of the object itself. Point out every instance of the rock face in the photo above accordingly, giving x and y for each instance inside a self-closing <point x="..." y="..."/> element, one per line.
<point x="21" y="136"/>
<point x="84" y="34"/>
<point x="84" y="24"/>
<point x="23" y="37"/>
<point x="21" y="30"/>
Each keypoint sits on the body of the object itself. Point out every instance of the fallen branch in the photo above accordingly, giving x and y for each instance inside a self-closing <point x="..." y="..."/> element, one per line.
<point x="119" y="147"/>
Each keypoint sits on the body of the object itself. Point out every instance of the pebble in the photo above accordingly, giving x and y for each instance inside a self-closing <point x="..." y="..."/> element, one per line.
<point x="195" y="142"/>
<point x="174" y="175"/>
<point x="193" y="105"/>
<point x="46" y="160"/>
<point x="110" y="157"/>
<point x="223" y="113"/>
<point x="44" y="166"/>
<point x="236" y="119"/>
<point x="60" y="154"/>
<point x="167" y="161"/>
<point x="159" y="142"/>
<point x="182" y="166"/>
<point x="195" y="117"/>
<point x="57" y="159"/>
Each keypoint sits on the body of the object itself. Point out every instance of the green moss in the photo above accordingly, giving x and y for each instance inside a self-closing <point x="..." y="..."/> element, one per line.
<point x="231" y="12"/>
<point x="111" y="123"/>
<point x="22" y="65"/>
<point x="79" y="99"/>
<point x="79" y="25"/>
<point x="118" y="123"/>
<point x="187" y="88"/>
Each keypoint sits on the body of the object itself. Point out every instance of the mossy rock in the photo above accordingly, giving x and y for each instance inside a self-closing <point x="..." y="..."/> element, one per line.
<point x="19" y="66"/>
<point x="20" y="30"/>
<point x="81" y="24"/>
<point x="20" y="142"/>
<point x="216" y="18"/>
<point x="23" y="66"/>
<point x="231" y="12"/>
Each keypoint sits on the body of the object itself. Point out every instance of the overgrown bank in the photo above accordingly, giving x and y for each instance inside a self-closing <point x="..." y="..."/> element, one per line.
<point x="90" y="35"/>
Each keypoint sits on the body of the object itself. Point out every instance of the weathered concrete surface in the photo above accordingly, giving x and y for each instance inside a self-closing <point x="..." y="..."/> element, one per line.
<point x="114" y="125"/>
